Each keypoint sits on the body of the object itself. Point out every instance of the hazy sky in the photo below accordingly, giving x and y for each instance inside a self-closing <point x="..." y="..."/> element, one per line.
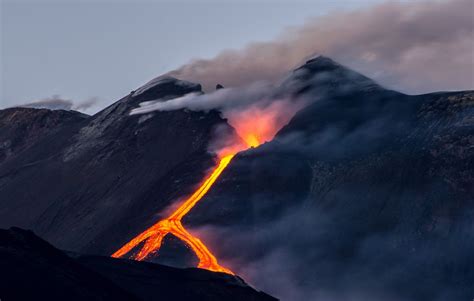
<point x="103" y="49"/>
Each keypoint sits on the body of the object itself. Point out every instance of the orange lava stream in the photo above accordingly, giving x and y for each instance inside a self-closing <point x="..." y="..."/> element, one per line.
<point x="153" y="236"/>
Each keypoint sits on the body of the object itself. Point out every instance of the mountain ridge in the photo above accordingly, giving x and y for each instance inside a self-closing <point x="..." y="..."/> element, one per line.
<point x="32" y="268"/>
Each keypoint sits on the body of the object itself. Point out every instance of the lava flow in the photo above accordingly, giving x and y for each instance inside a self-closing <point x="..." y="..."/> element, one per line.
<point x="253" y="126"/>
<point x="154" y="235"/>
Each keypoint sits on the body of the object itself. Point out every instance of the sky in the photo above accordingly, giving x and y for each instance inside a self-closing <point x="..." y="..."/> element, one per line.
<point x="98" y="51"/>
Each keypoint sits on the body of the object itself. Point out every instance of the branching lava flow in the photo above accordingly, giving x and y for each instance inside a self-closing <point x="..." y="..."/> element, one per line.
<point x="154" y="235"/>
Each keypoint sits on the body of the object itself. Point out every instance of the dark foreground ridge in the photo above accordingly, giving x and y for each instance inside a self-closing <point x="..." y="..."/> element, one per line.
<point x="32" y="269"/>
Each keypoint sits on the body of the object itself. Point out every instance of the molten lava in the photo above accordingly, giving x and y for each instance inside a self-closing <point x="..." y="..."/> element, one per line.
<point x="154" y="235"/>
<point x="253" y="125"/>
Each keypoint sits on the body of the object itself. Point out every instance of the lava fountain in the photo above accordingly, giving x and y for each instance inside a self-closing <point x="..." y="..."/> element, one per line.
<point x="254" y="125"/>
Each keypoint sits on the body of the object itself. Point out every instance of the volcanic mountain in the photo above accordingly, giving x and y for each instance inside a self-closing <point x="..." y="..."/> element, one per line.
<point x="366" y="193"/>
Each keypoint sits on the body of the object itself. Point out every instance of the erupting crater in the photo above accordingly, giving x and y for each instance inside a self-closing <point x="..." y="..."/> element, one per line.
<point x="253" y="126"/>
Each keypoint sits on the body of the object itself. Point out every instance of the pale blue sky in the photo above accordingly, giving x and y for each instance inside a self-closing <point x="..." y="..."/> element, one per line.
<point x="104" y="49"/>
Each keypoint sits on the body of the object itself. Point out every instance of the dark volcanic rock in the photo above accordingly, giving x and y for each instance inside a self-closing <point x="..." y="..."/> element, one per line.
<point x="157" y="282"/>
<point x="164" y="88"/>
<point x="21" y="128"/>
<point x="32" y="269"/>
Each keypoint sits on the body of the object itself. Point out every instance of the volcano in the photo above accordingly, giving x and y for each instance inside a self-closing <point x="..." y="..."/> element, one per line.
<point x="365" y="192"/>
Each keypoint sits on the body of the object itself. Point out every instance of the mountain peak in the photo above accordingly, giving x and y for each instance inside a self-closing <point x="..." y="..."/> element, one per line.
<point x="325" y="75"/>
<point x="163" y="86"/>
<point x="322" y="61"/>
<point x="323" y="64"/>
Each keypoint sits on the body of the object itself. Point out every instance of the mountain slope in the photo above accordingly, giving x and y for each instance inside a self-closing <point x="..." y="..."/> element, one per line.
<point x="88" y="186"/>
<point x="32" y="269"/>
<point x="21" y="128"/>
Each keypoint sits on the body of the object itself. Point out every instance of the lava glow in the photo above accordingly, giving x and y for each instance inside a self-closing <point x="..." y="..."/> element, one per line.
<point x="154" y="235"/>
<point x="257" y="124"/>
<point x="254" y="126"/>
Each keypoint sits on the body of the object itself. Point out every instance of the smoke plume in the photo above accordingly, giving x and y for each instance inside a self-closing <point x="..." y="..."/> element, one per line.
<point x="413" y="47"/>
<point x="254" y="111"/>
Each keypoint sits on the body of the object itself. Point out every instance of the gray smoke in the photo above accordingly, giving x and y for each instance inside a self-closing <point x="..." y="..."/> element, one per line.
<point x="413" y="47"/>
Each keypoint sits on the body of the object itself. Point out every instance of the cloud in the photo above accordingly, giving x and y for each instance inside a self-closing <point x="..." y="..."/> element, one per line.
<point x="56" y="102"/>
<point x="414" y="47"/>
